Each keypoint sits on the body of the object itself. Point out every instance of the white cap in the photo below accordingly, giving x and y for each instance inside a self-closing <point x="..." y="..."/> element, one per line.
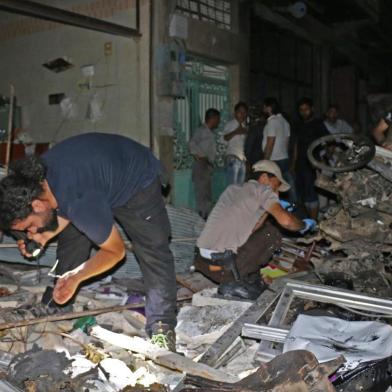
<point x="272" y="168"/>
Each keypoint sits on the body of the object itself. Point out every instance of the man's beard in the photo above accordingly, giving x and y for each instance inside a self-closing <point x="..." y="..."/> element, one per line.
<point x="52" y="224"/>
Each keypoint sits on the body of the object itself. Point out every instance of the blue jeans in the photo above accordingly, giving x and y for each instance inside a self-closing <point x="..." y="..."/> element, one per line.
<point x="235" y="170"/>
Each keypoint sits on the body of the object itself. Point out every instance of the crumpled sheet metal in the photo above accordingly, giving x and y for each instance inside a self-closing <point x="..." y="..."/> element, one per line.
<point x="328" y="337"/>
<point x="294" y="371"/>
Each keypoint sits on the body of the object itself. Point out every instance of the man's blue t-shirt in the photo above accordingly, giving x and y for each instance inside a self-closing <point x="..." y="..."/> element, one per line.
<point x="90" y="174"/>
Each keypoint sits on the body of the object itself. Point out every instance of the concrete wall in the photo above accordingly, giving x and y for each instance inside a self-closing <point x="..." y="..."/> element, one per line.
<point x="121" y="81"/>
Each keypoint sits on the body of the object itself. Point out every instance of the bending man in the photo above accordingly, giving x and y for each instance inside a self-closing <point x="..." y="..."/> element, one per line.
<point x="75" y="193"/>
<point x="235" y="242"/>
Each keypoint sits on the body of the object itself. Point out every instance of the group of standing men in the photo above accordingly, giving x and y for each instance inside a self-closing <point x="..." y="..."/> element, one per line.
<point x="279" y="142"/>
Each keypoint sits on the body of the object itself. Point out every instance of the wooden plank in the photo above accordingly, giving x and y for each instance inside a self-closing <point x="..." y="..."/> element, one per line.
<point x="160" y="356"/>
<point x="67" y="316"/>
<point x="251" y="316"/>
<point x="195" y="282"/>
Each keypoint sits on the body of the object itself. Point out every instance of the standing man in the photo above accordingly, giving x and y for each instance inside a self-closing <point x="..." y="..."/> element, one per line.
<point x="333" y="123"/>
<point x="307" y="130"/>
<point x="276" y="137"/>
<point x="235" y="134"/>
<point x="203" y="148"/>
<point x="76" y="192"/>
<point x="236" y="240"/>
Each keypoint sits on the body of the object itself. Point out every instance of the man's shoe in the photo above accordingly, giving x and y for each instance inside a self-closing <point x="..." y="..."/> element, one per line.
<point x="242" y="289"/>
<point x="163" y="335"/>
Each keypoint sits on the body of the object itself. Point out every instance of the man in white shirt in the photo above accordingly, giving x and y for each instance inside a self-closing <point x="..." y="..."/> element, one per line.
<point x="203" y="149"/>
<point x="333" y="123"/>
<point x="234" y="134"/>
<point x="276" y="137"/>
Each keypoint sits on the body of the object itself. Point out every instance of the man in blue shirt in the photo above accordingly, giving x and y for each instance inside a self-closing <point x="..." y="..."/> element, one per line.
<point x="76" y="192"/>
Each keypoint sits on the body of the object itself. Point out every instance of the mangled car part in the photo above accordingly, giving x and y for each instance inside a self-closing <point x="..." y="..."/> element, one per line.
<point x="342" y="298"/>
<point x="350" y="152"/>
<point x="362" y="217"/>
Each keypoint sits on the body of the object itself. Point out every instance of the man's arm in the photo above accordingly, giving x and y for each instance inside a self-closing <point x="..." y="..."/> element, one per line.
<point x="238" y="131"/>
<point x="111" y="252"/>
<point x="269" y="147"/>
<point x="285" y="219"/>
<point x="379" y="131"/>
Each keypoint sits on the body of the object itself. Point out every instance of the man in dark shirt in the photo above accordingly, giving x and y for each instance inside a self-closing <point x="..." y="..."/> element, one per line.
<point x="76" y="192"/>
<point x="306" y="131"/>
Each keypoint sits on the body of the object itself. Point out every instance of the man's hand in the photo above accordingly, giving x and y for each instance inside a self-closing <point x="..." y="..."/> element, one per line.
<point x="22" y="249"/>
<point x="39" y="238"/>
<point x="310" y="225"/>
<point x="66" y="287"/>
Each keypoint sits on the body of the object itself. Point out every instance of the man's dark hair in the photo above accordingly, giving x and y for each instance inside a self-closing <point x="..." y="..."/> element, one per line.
<point x="255" y="175"/>
<point x="19" y="189"/>
<point x="240" y="105"/>
<point x="305" y="101"/>
<point x="210" y="113"/>
<point x="272" y="103"/>
<point x="333" y="106"/>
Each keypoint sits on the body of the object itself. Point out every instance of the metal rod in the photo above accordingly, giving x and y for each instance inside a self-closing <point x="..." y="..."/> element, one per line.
<point x="41" y="11"/>
<point x="10" y="126"/>
<point x="255" y="331"/>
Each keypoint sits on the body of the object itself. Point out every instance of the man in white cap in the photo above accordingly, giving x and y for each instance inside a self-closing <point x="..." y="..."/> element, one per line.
<point x="236" y="240"/>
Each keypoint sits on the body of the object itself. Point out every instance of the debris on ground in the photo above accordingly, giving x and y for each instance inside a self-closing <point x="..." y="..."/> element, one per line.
<point x="310" y="337"/>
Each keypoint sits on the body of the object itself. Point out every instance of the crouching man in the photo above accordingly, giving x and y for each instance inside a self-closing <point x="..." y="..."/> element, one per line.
<point x="75" y="193"/>
<point x="236" y="241"/>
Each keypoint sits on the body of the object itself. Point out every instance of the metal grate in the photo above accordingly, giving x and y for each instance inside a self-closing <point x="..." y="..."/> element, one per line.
<point x="207" y="86"/>
<point x="216" y="11"/>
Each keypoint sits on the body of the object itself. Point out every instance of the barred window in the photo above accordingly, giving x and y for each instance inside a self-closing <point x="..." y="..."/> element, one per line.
<point x="216" y="11"/>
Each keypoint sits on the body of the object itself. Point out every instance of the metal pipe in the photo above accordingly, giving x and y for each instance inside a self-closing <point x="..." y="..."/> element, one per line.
<point x="41" y="11"/>
<point x="264" y="332"/>
<point x="10" y="129"/>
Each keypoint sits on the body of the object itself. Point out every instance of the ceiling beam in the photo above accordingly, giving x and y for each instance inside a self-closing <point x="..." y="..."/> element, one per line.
<point x="316" y="32"/>
<point x="365" y="6"/>
<point x="351" y="26"/>
<point x="41" y="11"/>
<point x="282" y="22"/>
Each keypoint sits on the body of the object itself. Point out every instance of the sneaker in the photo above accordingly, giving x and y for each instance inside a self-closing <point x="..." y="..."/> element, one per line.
<point x="163" y="335"/>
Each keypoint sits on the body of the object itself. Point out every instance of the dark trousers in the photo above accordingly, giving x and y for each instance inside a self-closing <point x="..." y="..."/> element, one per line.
<point x="202" y="181"/>
<point x="285" y="169"/>
<point x="306" y="178"/>
<point x="253" y="255"/>
<point x="144" y="219"/>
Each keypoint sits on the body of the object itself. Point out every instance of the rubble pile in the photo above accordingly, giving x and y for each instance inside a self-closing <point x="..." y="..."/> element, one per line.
<point x="323" y="324"/>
